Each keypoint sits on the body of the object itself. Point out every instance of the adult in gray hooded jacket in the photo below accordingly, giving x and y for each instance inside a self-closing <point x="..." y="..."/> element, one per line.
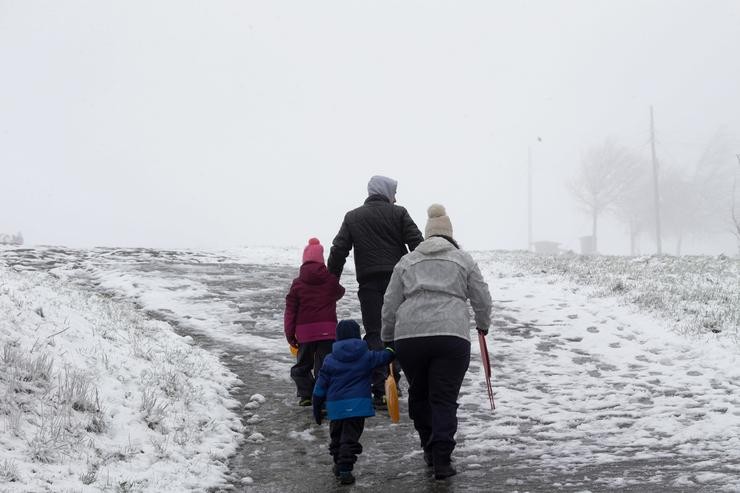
<point x="425" y="315"/>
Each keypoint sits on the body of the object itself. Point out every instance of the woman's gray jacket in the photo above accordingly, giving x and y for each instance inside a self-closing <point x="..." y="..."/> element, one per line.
<point x="428" y="293"/>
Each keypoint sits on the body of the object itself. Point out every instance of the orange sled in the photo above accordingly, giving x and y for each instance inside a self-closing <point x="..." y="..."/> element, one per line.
<point x="391" y="396"/>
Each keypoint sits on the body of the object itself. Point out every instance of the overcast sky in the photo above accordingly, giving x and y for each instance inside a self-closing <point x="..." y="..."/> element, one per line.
<point x="222" y="123"/>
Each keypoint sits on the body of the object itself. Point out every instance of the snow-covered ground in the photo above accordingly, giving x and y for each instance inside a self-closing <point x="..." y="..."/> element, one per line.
<point x="593" y="391"/>
<point x="594" y="381"/>
<point x="698" y="295"/>
<point x="95" y="396"/>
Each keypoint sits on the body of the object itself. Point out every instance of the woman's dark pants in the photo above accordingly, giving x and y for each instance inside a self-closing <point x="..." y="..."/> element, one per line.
<point x="435" y="367"/>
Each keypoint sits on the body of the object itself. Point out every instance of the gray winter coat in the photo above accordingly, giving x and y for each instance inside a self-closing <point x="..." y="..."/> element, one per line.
<point x="428" y="293"/>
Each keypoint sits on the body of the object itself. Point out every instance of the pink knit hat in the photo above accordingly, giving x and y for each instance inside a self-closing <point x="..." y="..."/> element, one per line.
<point x="313" y="252"/>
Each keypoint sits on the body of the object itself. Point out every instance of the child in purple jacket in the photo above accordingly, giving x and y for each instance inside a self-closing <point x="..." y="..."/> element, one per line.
<point x="311" y="318"/>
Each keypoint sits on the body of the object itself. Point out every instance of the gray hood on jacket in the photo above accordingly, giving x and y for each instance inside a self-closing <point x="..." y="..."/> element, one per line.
<point x="382" y="185"/>
<point x="435" y="244"/>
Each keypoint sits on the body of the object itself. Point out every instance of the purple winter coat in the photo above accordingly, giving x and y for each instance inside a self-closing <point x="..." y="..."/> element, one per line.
<point x="311" y="305"/>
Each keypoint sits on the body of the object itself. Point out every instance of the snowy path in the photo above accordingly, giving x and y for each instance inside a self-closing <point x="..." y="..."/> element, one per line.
<point x="590" y="397"/>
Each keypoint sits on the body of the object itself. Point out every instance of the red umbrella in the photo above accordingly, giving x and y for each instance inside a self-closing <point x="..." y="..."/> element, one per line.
<point x="486" y="365"/>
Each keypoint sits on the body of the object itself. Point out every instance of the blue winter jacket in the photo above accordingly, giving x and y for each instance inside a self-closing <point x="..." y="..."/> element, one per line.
<point x="344" y="379"/>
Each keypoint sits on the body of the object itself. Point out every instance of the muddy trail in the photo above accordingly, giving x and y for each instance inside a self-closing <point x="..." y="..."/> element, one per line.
<point x="283" y="449"/>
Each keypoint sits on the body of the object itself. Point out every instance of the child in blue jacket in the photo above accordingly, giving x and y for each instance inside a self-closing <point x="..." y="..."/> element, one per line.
<point x="344" y="383"/>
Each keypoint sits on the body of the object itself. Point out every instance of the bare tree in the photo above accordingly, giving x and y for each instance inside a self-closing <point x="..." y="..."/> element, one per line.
<point x="634" y="208"/>
<point x="680" y="206"/>
<point x="606" y="173"/>
<point x="694" y="203"/>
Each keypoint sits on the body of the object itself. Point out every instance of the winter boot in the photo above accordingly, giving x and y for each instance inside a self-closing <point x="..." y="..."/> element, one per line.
<point x="346" y="477"/>
<point x="335" y="470"/>
<point x="428" y="459"/>
<point x="304" y="401"/>
<point x="443" y="471"/>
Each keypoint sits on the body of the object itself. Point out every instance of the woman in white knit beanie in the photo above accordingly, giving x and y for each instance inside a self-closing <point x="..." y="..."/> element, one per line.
<point x="426" y="318"/>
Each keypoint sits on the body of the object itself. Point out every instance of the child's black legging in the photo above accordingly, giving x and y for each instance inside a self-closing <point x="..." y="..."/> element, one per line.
<point x="308" y="363"/>
<point x="345" y="441"/>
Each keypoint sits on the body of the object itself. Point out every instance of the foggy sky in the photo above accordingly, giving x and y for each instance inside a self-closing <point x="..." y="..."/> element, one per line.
<point x="208" y="124"/>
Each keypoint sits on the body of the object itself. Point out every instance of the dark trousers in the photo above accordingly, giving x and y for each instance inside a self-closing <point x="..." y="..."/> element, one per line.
<point x="435" y="367"/>
<point x="345" y="441"/>
<point x="308" y="363"/>
<point x="371" y="290"/>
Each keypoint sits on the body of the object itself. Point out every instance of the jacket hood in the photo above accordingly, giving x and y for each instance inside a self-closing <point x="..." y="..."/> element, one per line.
<point x="382" y="185"/>
<point x="349" y="349"/>
<point x="313" y="273"/>
<point x="433" y="245"/>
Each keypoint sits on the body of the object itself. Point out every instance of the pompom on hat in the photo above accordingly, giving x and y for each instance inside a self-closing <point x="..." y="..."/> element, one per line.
<point x="314" y="251"/>
<point x="438" y="222"/>
<point x="348" y="329"/>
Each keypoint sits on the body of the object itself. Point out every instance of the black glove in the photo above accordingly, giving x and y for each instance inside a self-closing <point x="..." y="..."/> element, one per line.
<point x="318" y="403"/>
<point x="482" y="331"/>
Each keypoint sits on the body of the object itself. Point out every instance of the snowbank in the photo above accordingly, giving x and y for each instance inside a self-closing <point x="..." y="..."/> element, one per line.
<point x="103" y="398"/>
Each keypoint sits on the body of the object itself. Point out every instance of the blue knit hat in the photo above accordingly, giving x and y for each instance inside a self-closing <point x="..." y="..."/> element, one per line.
<point x="348" y="329"/>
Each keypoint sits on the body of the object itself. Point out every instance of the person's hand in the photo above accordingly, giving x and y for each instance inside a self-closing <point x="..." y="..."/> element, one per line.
<point x="392" y="351"/>
<point x="318" y="403"/>
<point x="293" y="342"/>
<point x="482" y="331"/>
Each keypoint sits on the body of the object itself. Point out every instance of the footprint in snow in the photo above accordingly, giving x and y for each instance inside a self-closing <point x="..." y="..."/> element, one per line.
<point x="256" y="438"/>
<point x="593" y="330"/>
<point x="255" y="401"/>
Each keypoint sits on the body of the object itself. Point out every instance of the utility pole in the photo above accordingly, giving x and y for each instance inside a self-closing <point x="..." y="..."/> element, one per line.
<point x="656" y="188"/>
<point x="529" y="198"/>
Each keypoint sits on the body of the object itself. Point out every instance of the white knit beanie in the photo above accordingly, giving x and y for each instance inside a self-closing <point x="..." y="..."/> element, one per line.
<point x="438" y="223"/>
